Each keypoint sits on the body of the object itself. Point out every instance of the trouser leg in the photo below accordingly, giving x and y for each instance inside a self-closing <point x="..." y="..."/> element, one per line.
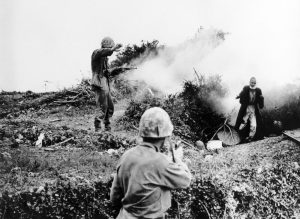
<point x="253" y="123"/>
<point x="101" y="109"/>
<point x="245" y="120"/>
<point x="110" y="110"/>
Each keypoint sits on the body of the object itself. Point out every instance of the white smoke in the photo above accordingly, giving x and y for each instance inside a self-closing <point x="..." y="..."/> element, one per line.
<point x="173" y="65"/>
<point x="235" y="59"/>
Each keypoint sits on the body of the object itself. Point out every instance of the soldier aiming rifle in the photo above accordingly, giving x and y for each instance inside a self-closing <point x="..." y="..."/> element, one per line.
<point x="145" y="176"/>
<point x="100" y="82"/>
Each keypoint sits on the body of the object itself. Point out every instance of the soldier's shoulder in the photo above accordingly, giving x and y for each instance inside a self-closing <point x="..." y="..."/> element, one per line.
<point x="161" y="160"/>
<point x="97" y="50"/>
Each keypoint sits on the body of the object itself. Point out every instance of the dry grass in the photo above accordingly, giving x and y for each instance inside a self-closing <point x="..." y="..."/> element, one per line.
<point x="226" y="164"/>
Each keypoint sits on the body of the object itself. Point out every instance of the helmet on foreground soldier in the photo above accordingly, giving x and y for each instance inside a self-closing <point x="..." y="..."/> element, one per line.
<point x="155" y="123"/>
<point x="107" y="42"/>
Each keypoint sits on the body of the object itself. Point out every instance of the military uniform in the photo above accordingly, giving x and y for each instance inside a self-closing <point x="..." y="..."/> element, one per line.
<point x="100" y="85"/>
<point x="143" y="182"/>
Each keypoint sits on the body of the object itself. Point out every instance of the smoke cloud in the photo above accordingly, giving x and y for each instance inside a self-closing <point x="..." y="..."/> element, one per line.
<point x="167" y="70"/>
<point x="236" y="59"/>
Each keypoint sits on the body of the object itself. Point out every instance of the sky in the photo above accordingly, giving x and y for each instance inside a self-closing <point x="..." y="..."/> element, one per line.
<point x="47" y="45"/>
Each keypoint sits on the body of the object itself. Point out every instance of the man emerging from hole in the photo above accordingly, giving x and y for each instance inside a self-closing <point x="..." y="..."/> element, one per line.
<point x="251" y="100"/>
<point x="145" y="176"/>
<point x="100" y="82"/>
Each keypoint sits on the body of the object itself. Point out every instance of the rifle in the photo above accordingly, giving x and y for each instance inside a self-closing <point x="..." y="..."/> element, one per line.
<point x="118" y="70"/>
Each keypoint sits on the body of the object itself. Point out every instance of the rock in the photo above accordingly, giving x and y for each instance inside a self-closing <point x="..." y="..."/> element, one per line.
<point x="39" y="142"/>
<point x="18" y="141"/>
<point x="214" y="145"/>
<point x="259" y="170"/>
<point x="208" y="157"/>
<point x="112" y="151"/>
<point x="15" y="170"/>
<point x="200" y="145"/>
<point x="20" y="136"/>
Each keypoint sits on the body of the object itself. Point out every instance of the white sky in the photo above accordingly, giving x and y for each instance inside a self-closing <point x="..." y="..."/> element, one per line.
<point x="53" y="40"/>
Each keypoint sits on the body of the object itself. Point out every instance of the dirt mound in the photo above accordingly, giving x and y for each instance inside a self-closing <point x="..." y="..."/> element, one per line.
<point x="13" y="104"/>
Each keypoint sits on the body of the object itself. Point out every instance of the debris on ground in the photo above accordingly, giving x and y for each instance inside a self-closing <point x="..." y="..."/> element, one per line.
<point x="39" y="142"/>
<point x="214" y="145"/>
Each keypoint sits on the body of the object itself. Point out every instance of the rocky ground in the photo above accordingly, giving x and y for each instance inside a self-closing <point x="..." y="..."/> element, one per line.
<point x="53" y="165"/>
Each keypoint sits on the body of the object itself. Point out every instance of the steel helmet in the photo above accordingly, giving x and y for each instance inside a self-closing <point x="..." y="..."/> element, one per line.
<point x="107" y="42"/>
<point x="155" y="123"/>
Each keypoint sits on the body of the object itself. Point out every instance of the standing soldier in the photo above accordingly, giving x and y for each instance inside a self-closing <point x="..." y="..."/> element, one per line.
<point x="100" y="82"/>
<point x="251" y="99"/>
<point x="145" y="176"/>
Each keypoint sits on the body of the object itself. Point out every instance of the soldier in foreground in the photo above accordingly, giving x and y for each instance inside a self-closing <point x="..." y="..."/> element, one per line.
<point x="145" y="176"/>
<point x="100" y="82"/>
<point x="251" y="99"/>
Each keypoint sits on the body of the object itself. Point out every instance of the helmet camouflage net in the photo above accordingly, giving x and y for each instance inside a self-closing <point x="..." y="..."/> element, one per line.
<point x="155" y="123"/>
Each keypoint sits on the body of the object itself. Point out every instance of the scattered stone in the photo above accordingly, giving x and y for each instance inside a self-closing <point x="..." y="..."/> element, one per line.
<point x="49" y="149"/>
<point x="39" y="142"/>
<point x="15" y="170"/>
<point x="208" y="157"/>
<point x="112" y="151"/>
<point x="20" y="136"/>
<point x="200" y="145"/>
<point x="214" y="145"/>
<point x="18" y="141"/>
<point x="259" y="170"/>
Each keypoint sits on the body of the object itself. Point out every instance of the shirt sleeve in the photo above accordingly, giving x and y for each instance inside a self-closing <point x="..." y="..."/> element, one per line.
<point x="102" y="52"/>
<point x="116" y="192"/>
<point x="242" y="95"/>
<point x="176" y="175"/>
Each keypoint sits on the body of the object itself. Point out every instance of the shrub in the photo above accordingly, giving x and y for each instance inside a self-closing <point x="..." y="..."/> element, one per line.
<point x="288" y="114"/>
<point x="132" y="55"/>
<point x="67" y="201"/>
<point x="191" y="111"/>
<point x="61" y="201"/>
<point x="202" y="199"/>
<point x="133" y="52"/>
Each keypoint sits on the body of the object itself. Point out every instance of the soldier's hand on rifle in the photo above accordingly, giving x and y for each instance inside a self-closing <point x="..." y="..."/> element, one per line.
<point x="117" y="47"/>
<point x="176" y="152"/>
<point x="118" y="70"/>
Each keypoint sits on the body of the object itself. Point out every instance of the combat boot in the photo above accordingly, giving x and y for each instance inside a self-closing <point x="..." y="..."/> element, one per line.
<point x="97" y="125"/>
<point x="107" y="125"/>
